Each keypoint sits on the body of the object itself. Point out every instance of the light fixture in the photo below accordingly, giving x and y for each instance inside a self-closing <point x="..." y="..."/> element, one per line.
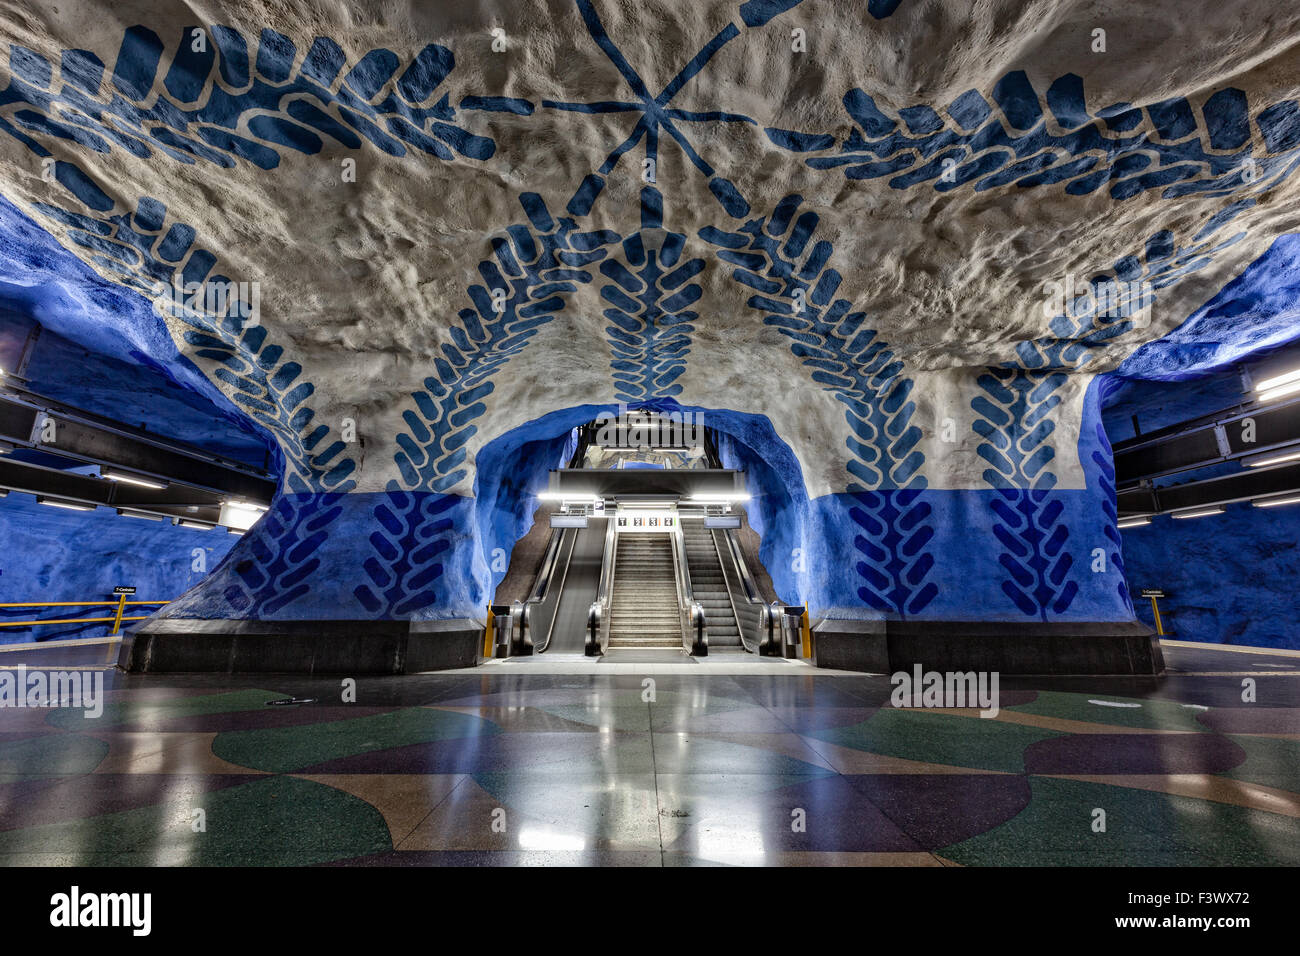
<point x="1275" y="502"/>
<point x="234" y="531"/>
<point x="720" y="499"/>
<point x="1285" y="378"/>
<point x="140" y="480"/>
<point x="196" y="525"/>
<point x="1133" y="522"/>
<point x="1280" y="391"/>
<point x="1273" y="460"/>
<point x="69" y="505"/>
<point x="239" y="514"/>
<point x="138" y="514"/>
<point x="1199" y="513"/>
<point x="575" y="497"/>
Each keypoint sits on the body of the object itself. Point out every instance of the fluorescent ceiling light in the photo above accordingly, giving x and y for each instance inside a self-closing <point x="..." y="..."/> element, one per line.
<point x="140" y="480"/>
<point x="1133" y="522"/>
<point x="1274" y="460"/>
<point x="1203" y="512"/>
<point x="720" y="499"/>
<point x="138" y="514"/>
<point x="1279" y="392"/>
<point x="240" y="514"/>
<point x="197" y="525"/>
<point x="70" y="505"/>
<point x="1284" y="379"/>
<point x="233" y="531"/>
<point x="1274" y="502"/>
<point x="568" y="496"/>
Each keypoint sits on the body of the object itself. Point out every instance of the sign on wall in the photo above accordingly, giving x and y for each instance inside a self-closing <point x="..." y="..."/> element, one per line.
<point x="647" y="521"/>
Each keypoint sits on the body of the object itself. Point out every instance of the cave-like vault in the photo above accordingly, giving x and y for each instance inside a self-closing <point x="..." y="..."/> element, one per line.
<point x="886" y="247"/>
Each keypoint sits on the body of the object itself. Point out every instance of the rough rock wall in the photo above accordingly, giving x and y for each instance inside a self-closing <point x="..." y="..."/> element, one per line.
<point x="1230" y="578"/>
<point x="54" y="555"/>
<point x="797" y="210"/>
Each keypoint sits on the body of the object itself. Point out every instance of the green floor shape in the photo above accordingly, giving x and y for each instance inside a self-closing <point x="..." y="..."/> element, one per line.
<point x="1143" y="828"/>
<point x="974" y="742"/>
<point x="31" y="758"/>
<point x="1269" y="762"/>
<point x="285" y="749"/>
<point x="279" y="821"/>
<point x="152" y="713"/>
<point x="1149" y="715"/>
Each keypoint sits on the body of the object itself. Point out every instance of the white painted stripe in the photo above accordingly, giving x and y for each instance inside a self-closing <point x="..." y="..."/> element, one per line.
<point x="1231" y="648"/>
<point x="1112" y="703"/>
<point x="48" y="645"/>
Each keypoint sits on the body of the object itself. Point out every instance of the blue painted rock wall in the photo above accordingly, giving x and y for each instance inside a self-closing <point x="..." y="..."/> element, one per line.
<point x="49" y="554"/>
<point x="1231" y="577"/>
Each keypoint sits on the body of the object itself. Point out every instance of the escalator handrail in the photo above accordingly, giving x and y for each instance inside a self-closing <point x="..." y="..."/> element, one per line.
<point x="600" y="607"/>
<point x="546" y="573"/>
<point x="751" y="596"/>
<point x="695" y="638"/>
<point x="541" y="590"/>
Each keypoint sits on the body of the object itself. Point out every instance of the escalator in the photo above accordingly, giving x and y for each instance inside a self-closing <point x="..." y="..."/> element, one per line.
<point x="645" y="555"/>
<point x="600" y="590"/>
<point x="565" y="589"/>
<point x="709" y="584"/>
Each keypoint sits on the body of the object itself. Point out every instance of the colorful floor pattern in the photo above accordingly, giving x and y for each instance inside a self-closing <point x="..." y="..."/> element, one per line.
<point x="719" y="769"/>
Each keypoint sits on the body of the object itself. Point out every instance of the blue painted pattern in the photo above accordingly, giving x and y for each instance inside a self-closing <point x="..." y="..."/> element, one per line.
<point x="213" y="87"/>
<point x="235" y="100"/>
<point x="1029" y="141"/>
<point x="146" y="253"/>
<point x="795" y="286"/>
<point x="649" y="292"/>
<point x="535" y="266"/>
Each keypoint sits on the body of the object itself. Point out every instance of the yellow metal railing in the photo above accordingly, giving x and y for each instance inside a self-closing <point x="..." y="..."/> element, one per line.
<point x="119" y="606"/>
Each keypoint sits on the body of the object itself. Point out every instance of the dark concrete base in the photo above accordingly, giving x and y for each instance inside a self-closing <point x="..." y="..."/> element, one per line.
<point x="302" y="647"/>
<point x="884" y="647"/>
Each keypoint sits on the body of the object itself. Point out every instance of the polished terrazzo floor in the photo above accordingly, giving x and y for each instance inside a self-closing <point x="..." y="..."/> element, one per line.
<point x="508" y="767"/>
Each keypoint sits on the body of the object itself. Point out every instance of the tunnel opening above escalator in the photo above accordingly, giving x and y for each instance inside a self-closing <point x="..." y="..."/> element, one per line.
<point x="648" y="551"/>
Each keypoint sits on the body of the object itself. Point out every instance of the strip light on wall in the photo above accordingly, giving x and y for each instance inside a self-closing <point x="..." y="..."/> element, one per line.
<point x="1200" y="513"/>
<point x="154" y="483"/>
<point x="138" y="514"/>
<point x="196" y="525"/>
<point x="1273" y="460"/>
<point x="69" y="505"/>
<point x="1133" y="523"/>
<point x="240" y="515"/>
<point x="1275" y="502"/>
<point x="1279" y="386"/>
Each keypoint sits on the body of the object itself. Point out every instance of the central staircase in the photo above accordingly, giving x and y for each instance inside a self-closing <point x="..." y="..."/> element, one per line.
<point x="643" y="606"/>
